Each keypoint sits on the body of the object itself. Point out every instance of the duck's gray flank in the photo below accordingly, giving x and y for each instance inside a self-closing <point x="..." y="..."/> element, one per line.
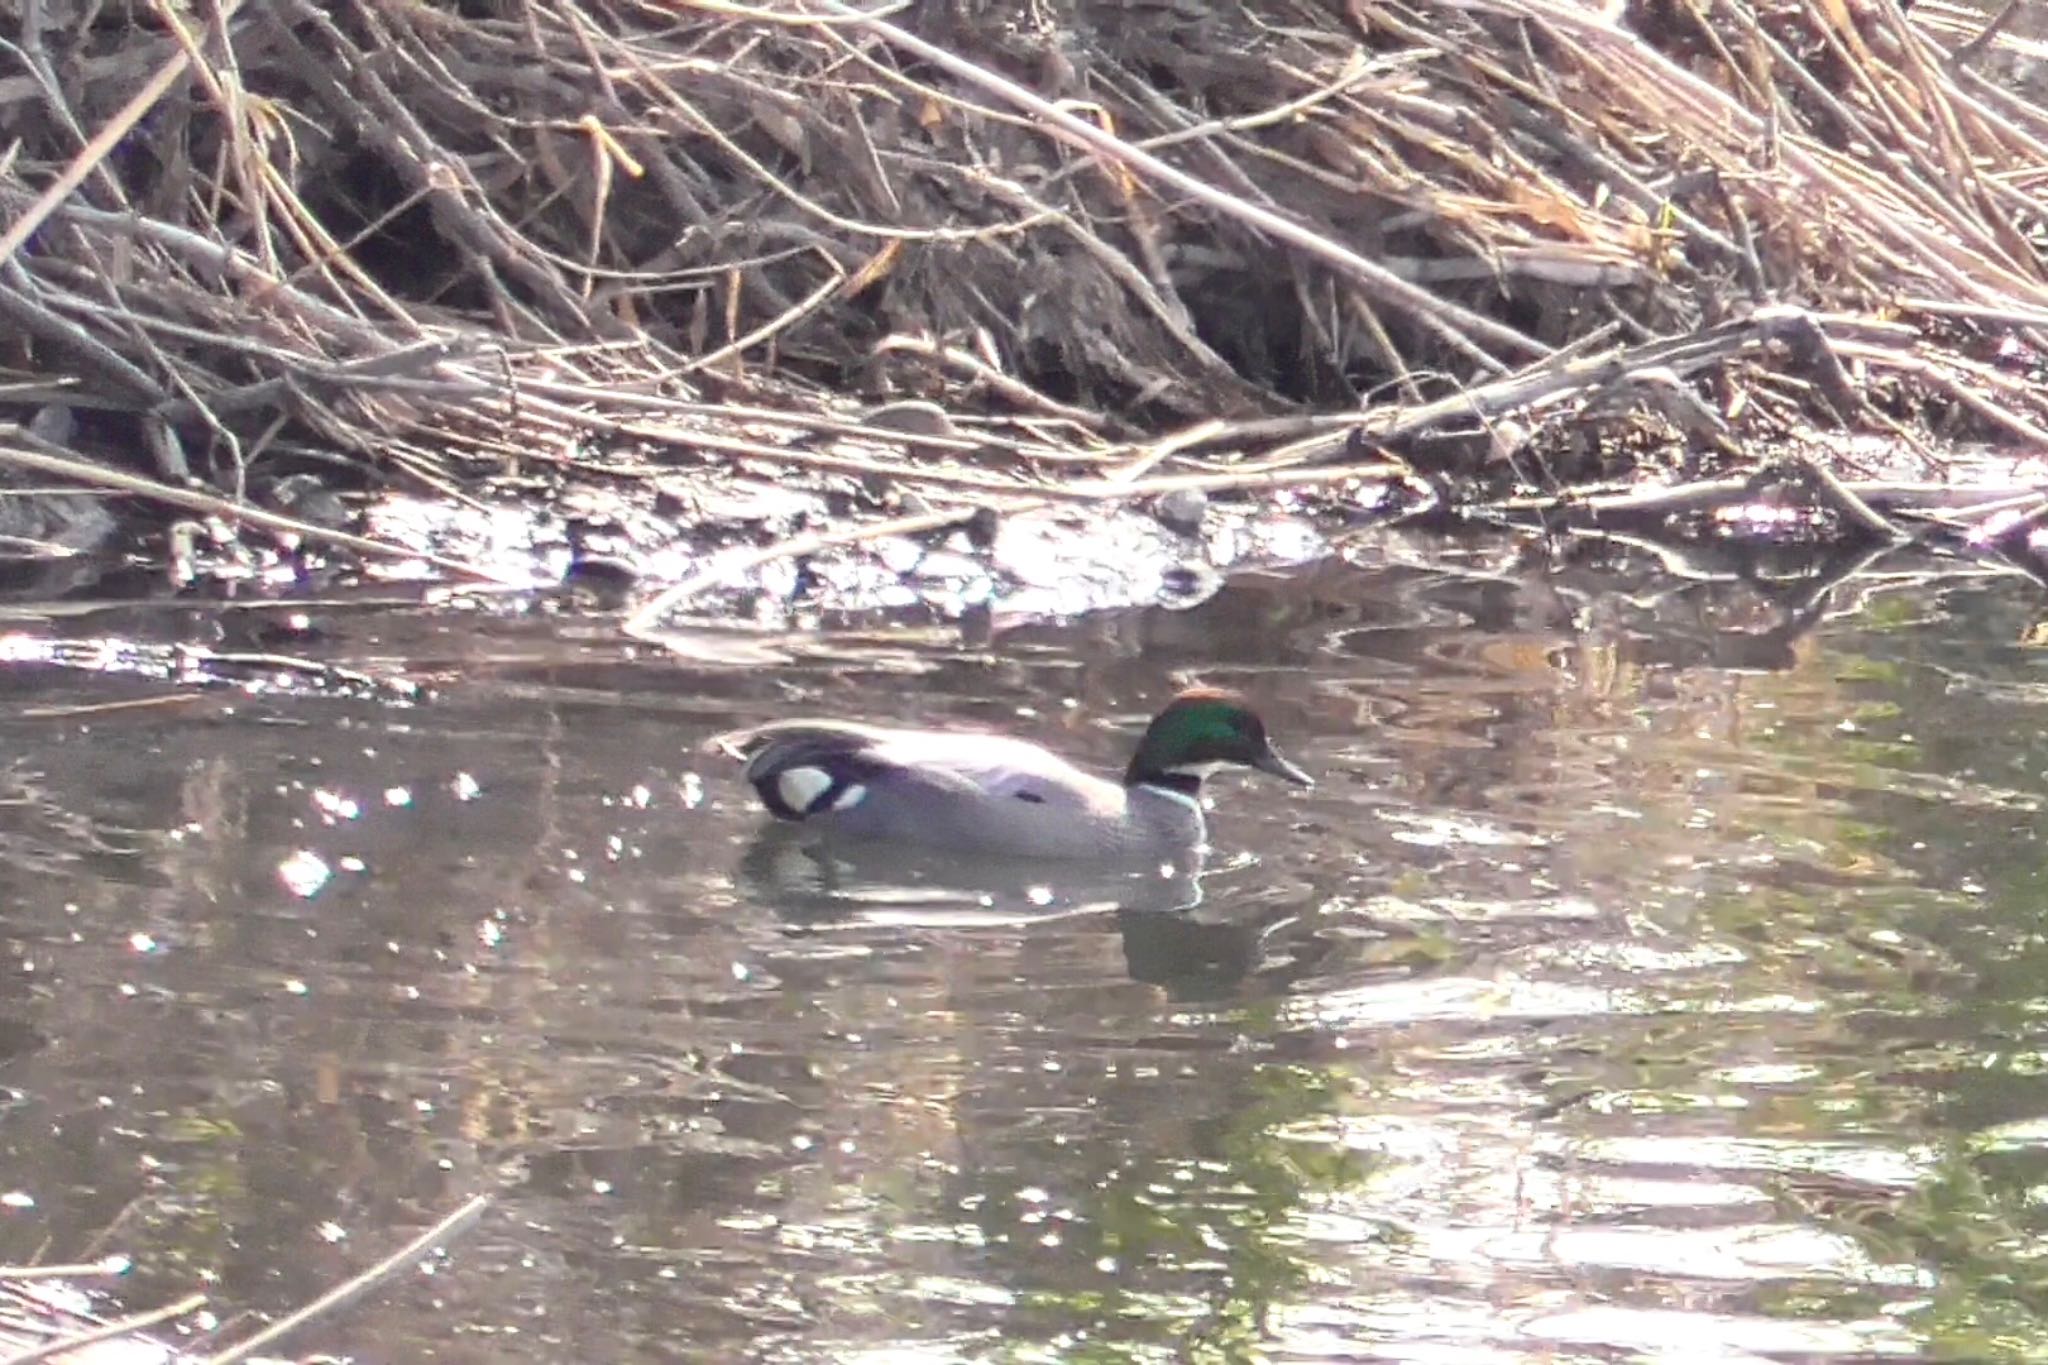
<point x="988" y="793"/>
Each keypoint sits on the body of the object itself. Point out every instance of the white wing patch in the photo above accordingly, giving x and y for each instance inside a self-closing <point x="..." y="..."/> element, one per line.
<point x="850" y="798"/>
<point x="798" y="787"/>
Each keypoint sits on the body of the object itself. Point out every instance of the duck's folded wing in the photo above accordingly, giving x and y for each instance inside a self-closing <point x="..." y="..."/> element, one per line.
<point x="997" y="769"/>
<point x="810" y="768"/>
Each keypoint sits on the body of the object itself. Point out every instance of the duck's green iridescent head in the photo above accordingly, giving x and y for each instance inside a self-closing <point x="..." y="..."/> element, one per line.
<point x="1201" y="730"/>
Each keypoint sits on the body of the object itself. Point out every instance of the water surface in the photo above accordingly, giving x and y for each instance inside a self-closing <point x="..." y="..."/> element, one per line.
<point x="1654" y="974"/>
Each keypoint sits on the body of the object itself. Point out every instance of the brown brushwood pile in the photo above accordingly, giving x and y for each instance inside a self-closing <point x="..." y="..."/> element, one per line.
<point x="996" y="251"/>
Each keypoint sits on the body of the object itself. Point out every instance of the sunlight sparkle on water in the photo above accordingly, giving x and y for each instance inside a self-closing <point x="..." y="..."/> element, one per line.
<point x="335" y="806"/>
<point x="303" y="873"/>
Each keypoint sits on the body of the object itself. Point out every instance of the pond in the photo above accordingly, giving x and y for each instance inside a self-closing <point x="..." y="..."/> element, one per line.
<point x="1658" y="971"/>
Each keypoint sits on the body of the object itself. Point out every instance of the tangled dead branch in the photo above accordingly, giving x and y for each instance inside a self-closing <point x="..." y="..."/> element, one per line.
<point x="426" y="237"/>
<point x="45" y="1317"/>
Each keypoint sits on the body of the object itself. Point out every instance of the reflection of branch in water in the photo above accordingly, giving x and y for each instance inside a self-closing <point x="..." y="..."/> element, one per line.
<point x="1792" y="589"/>
<point x="198" y="664"/>
<point x="40" y="834"/>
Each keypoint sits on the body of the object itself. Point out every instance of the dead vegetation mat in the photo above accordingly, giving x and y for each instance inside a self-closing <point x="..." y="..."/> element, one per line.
<point x="1516" y="255"/>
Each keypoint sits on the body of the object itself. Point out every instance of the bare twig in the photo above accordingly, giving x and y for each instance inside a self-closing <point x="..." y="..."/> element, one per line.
<point x="108" y="1331"/>
<point x="97" y="476"/>
<point x="347" y="1292"/>
<point x="94" y="152"/>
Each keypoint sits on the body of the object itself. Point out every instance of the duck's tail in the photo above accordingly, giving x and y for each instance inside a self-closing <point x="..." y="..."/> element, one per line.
<point x="800" y="768"/>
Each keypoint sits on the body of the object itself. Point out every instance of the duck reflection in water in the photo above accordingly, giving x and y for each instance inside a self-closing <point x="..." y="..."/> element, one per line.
<point x="1168" y="940"/>
<point x="808" y="877"/>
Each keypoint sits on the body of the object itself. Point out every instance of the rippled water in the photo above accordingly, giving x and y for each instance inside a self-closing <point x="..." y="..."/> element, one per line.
<point x="1655" y="974"/>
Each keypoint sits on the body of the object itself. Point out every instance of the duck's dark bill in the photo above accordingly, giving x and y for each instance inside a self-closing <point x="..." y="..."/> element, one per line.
<point x="1271" y="762"/>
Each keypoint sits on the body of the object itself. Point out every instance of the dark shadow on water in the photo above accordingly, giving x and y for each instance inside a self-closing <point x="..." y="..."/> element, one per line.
<point x="1192" y="958"/>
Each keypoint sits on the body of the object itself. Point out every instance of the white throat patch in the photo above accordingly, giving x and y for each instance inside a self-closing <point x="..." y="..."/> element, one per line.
<point x="1193" y="803"/>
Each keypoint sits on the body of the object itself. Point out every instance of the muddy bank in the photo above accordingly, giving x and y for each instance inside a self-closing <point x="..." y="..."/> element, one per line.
<point x="988" y="258"/>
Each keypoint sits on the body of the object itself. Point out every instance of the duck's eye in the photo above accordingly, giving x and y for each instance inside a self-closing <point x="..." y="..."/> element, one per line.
<point x="1033" y="797"/>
